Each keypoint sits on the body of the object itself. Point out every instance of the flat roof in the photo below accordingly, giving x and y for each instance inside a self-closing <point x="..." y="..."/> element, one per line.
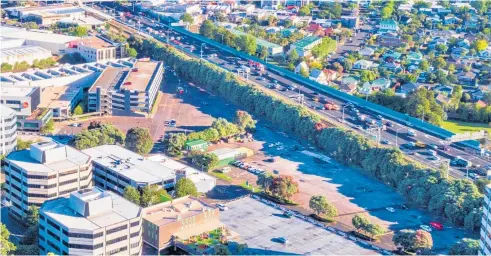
<point x="165" y="213"/>
<point x="306" y="41"/>
<point x="10" y="32"/>
<point x="109" y="78"/>
<point x="43" y="8"/>
<point x="24" y="50"/>
<point x="93" y="42"/>
<point x="24" y="160"/>
<point x="59" y="209"/>
<point x="14" y="91"/>
<point x="140" y="76"/>
<point x="6" y="111"/>
<point x="129" y="164"/>
<point x="58" y="96"/>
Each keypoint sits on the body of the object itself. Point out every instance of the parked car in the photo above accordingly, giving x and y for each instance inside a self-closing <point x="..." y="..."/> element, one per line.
<point x="282" y="240"/>
<point x="390" y="209"/>
<point x="436" y="225"/>
<point x="426" y="228"/>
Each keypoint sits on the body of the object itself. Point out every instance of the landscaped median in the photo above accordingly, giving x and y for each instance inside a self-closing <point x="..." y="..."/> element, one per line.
<point x="458" y="200"/>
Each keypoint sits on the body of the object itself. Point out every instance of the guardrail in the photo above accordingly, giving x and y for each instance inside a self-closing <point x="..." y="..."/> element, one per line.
<point x="377" y="109"/>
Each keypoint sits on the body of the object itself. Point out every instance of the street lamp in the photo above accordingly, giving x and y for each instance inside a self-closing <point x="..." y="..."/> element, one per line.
<point x="343" y="113"/>
<point x="201" y="56"/>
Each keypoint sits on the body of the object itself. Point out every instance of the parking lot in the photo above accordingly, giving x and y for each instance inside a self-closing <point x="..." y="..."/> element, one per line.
<point x="261" y="226"/>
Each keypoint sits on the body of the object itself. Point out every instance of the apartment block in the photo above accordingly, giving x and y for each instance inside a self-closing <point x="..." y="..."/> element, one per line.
<point x="116" y="168"/>
<point x="8" y="130"/>
<point x="46" y="171"/>
<point x="125" y="90"/>
<point x="485" y="241"/>
<point x="93" y="49"/>
<point x="167" y="223"/>
<point x="90" y="222"/>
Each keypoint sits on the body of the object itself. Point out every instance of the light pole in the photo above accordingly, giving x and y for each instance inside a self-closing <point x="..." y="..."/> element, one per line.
<point x="397" y="133"/>
<point x="342" y="118"/>
<point x="201" y="56"/>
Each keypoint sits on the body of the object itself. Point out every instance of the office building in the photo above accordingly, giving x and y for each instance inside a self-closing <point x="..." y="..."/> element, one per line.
<point x="93" y="49"/>
<point x="126" y="90"/>
<point x="47" y="15"/>
<point x="90" y="222"/>
<point x="25" y="101"/>
<point x="23" y="53"/>
<point x="61" y="99"/>
<point x="115" y="168"/>
<point x="485" y="241"/>
<point x="8" y="130"/>
<point x="46" y="171"/>
<point x="166" y="223"/>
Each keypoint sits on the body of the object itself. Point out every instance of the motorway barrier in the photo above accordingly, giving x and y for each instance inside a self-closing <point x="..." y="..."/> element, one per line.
<point x="377" y="109"/>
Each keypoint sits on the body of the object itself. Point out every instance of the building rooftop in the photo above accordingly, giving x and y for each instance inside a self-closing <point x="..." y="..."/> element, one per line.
<point x="12" y="91"/>
<point x="195" y="142"/>
<point x="6" y="111"/>
<point x="11" y="32"/>
<point x="43" y="8"/>
<point x="109" y="78"/>
<point x="58" y="96"/>
<point x="24" y="50"/>
<point x="129" y="164"/>
<point x="139" y="77"/>
<point x="175" y="210"/>
<point x="306" y="41"/>
<point x="90" y="209"/>
<point x="57" y="158"/>
<point x="93" y="42"/>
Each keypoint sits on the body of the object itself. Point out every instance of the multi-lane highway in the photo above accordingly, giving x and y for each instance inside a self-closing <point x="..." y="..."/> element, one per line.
<point x="395" y="134"/>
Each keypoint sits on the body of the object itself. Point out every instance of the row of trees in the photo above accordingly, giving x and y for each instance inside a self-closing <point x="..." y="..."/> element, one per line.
<point x="136" y="139"/>
<point x="363" y="225"/>
<point x="154" y="194"/>
<point x="282" y="187"/>
<point x="23" y="66"/>
<point x="458" y="200"/>
<point x="418" y="241"/>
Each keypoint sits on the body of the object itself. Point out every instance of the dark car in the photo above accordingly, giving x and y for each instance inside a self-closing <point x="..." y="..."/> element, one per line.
<point x="389" y="124"/>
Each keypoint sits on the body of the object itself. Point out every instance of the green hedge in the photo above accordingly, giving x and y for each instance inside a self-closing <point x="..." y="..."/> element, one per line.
<point x="458" y="200"/>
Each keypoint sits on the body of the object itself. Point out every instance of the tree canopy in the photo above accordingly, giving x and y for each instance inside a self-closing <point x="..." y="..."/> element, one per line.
<point x="6" y="246"/>
<point x="466" y="246"/>
<point x="185" y="187"/>
<point x="139" y="140"/>
<point x="105" y="134"/>
<point x="322" y="207"/>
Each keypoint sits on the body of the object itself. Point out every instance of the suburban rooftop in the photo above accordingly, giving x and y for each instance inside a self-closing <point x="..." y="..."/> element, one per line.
<point x="139" y="77"/>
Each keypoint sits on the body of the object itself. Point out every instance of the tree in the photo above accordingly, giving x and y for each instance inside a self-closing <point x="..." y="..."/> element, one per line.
<point x="481" y="184"/>
<point x="413" y="240"/>
<point x="132" y="52"/>
<point x="23" y="144"/>
<point x="422" y="240"/>
<point x="480" y="45"/>
<point x="149" y="195"/>
<point x="404" y="238"/>
<point x="186" y="17"/>
<point x="316" y="65"/>
<point x="304" y="11"/>
<point x="293" y="55"/>
<point x="23" y="249"/>
<point x="6" y="67"/>
<point x="322" y="207"/>
<point x="32" y="217"/>
<point x="244" y="121"/>
<point x="465" y="246"/>
<point x="374" y="230"/>
<point x="247" y="43"/>
<point x="206" y="161"/>
<point x="5" y="245"/>
<point x="104" y="135"/>
<point x="175" y="142"/>
<point x="284" y="187"/>
<point x="207" y="29"/>
<point x="48" y="128"/>
<point x="221" y="249"/>
<point x="78" y="110"/>
<point x="132" y="194"/>
<point x="326" y="47"/>
<point x="265" y="180"/>
<point x="304" y="72"/>
<point x="360" y="222"/>
<point x="185" y="187"/>
<point x="139" y="140"/>
<point x="80" y="31"/>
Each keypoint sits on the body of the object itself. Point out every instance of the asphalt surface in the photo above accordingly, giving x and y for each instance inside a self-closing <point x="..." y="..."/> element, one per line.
<point x="396" y="135"/>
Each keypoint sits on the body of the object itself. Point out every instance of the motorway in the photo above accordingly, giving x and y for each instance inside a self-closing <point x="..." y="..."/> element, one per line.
<point x="395" y="135"/>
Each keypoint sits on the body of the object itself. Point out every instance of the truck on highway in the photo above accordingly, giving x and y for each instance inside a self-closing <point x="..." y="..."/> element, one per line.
<point x="257" y="66"/>
<point x="331" y="106"/>
<point x="420" y="144"/>
<point x="370" y="121"/>
<point x="362" y="117"/>
<point x="459" y="161"/>
<point x="246" y="69"/>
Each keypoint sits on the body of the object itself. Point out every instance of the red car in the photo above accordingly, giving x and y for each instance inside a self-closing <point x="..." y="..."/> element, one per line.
<point x="436" y="225"/>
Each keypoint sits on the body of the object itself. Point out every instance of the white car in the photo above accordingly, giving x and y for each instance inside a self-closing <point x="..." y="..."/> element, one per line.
<point x="222" y="207"/>
<point x="426" y="228"/>
<point x="390" y="209"/>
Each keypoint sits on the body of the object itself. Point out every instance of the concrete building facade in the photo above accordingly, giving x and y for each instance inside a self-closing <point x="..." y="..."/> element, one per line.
<point x="8" y="130"/>
<point x="485" y="241"/>
<point x="46" y="171"/>
<point x="93" y="49"/>
<point x="90" y="222"/>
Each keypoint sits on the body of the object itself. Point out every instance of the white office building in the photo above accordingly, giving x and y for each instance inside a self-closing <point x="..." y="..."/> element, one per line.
<point x="8" y="130"/>
<point x="485" y="242"/>
<point x="23" y="53"/>
<point x="90" y="222"/>
<point x="115" y="168"/>
<point x="46" y="171"/>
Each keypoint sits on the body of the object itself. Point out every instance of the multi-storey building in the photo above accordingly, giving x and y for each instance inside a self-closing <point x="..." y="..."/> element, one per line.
<point x="123" y="90"/>
<point x="93" y="49"/>
<point x="8" y="129"/>
<point x="485" y="242"/>
<point x="116" y="168"/>
<point x="46" y="171"/>
<point x="90" y="222"/>
<point x="166" y="223"/>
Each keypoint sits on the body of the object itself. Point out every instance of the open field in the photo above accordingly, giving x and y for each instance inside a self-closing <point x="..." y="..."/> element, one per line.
<point x="460" y="127"/>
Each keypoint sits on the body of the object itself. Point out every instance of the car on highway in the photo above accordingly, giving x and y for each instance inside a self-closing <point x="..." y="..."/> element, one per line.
<point x="433" y="146"/>
<point x="261" y="78"/>
<point x="430" y="152"/>
<point x="433" y="158"/>
<point x="411" y="132"/>
<point x="426" y="228"/>
<point x="379" y="117"/>
<point x="473" y="176"/>
<point x="385" y="142"/>
<point x="76" y="125"/>
<point x="222" y="207"/>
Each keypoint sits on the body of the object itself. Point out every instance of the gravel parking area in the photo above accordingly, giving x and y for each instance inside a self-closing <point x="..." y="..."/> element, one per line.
<point x="260" y="226"/>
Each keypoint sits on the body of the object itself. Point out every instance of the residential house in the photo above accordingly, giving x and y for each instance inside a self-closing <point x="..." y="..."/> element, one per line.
<point x="364" y="64"/>
<point x="414" y="58"/>
<point x="391" y="56"/>
<point x="305" y="45"/>
<point x="406" y="20"/>
<point x="318" y="76"/>
<point x="486" y="54"/>
<point x="331" y="75"/>
<point x="392" y="66"/>
<point x="367" y="52"/>
<point x="375" y="86"/>
<point x="442" y="98"/>
<point x="477" y="94"/>
<point x="460" y="51"/>
<point x="349" y="84"/>
<point x="407" y="88"/>
<point x="467" y="78"/>
<point x="301" y="65"/>
<point x="451" y="20"/>
<point x="389" y="40"/>
<point x="437" y="41"/>
<point x="443" y="89"/>
<point x="388" y="26"/>
<point x="464" y="43"/>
